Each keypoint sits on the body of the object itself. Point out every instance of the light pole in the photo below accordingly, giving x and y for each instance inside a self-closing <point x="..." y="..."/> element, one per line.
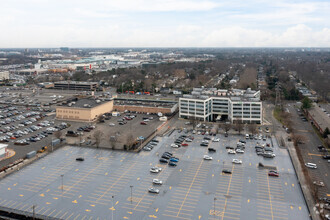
<point x="214" y="205"/>
<point x="33" y="211"/>
<point x="131" y="193"/>
<point x="62" y="175"/>
<point x="112" y="206"/>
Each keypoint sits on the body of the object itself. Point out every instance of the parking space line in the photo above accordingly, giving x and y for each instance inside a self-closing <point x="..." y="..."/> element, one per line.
<point x="45" y="211"/>
<point x="51" y="212"/>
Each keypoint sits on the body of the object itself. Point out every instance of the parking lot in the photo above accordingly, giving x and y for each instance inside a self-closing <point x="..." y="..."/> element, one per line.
<point x="113" y="183"/>
<point x="119" y="131"/>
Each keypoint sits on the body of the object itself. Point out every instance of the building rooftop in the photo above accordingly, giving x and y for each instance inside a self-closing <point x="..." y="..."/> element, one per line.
<point x="89" y="102"/>
<point x="234" y="94"/>
<point x="144" y="102"/>
<point x="75" y="82"/>
<point x="321" y="118"/>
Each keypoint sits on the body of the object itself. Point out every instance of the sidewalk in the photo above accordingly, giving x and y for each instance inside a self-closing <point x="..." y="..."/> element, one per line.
<point x="309" y="199"/>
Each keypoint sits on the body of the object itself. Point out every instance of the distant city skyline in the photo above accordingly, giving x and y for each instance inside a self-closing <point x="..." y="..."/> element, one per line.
<point x="166" y="23"/>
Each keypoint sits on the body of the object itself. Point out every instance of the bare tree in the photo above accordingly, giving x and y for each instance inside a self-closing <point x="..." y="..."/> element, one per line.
<point x="58" y="134"/>
<point x="97" y="136"/>
<point x="238" y="125"/>
<point x="130" y="141"/>
<point x="226" y="126"/>
<point x="252" y="128"/>
<point x="113" y="141"/>
<point x="193" y="122"/>
<point x="298" y="139"/>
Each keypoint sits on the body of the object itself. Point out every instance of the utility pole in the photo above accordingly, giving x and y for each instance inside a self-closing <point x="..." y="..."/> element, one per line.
<point x="33" y="211"/>
<point x="62" y="175"/>
<point x="214" y="205"/>
<point x="131" y="194"/>
<point x="112" y="206"/>
<point x="278" y="95"/>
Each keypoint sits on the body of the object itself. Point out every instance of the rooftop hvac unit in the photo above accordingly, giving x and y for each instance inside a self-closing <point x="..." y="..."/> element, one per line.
<point x="204" y="97"/>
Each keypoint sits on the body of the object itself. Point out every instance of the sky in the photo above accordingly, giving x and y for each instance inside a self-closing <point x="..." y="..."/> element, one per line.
<point x="164" y="23"/>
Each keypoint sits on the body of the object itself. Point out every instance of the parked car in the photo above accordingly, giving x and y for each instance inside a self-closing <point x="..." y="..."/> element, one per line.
<point x="157" y="182"/>
<point x="210" y="149"/>
<point x="231" y="152"/>
<point x="173" y="159"/>
<point x="207" y="157"/>
<point x="155" y="169"/>
<point x="226" y="171"/>
<point x="237" y="161"/>
<point x="153" y="190"/>
<point x="173" y="164"/>
<point x="239" y="151"/>
<point x="273" y="173"/>
<point x="163" y="160"/>
<point x="143" y="123"/>
<point x="311" y="165"/>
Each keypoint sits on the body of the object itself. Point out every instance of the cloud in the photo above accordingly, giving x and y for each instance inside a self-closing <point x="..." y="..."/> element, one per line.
<point x="164" y="23"/>
<point x="113" y="35"/>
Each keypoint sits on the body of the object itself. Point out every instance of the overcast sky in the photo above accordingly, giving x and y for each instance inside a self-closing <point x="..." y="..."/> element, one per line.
<point x="164" y="23"/>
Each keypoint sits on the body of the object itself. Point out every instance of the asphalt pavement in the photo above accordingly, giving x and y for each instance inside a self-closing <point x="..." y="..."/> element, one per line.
<point x="113" y="183"/>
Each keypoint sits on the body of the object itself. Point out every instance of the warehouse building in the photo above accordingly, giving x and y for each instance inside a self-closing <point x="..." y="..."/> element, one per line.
<point x="145" y="106"/>
<point x="83" y="109"/>
<point x="74" y="85"/>
<point x="212" y="104"/>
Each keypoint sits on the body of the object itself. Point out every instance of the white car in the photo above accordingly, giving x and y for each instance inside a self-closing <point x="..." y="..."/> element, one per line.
<point x="207" y="157"/>
<point x="205" y="141"/>
<point x="157" y="182"/>
<point x="216" y="139"/>
<point x="155" y="169"/>
<point x="239" y="151"/>
<point x="111" y="124"/>
<point x="311" y="165"/>
<point x="174" y="146"/>
<point x="188" y="140"/>
<point x="231" y="152"/>
<point x="237" y="161"/>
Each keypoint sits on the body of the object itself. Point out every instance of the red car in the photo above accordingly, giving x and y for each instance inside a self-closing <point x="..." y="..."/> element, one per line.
<point x="143" y="123"/>
<point x="184" y="145"/>
<point x="273" y="173"/>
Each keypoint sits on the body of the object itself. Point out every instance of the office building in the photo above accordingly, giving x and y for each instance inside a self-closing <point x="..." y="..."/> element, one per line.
<point x="215" y="104"/>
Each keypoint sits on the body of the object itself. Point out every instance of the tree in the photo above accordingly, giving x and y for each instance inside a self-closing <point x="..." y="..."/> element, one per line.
<point x="130" y="141"/>
<point x="226" y="126"/>
<point x="58" y="134"/>
<point x="238" y="125"/>
<point x="298" y="139"/>
<point x="193" y="122"/>
<point x="113" y="141"/>
<point x="97" y="136"/>
<point x="252" y="128"/>
<point x="306" y="103"/>
<point x="326" y="132"/>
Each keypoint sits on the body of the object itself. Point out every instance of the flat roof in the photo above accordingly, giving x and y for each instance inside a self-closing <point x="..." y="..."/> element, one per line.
<point x="84" y="102"/>
<point x="321" y="118"/>
<point x="75" y="82"/>
<point x="145" y="102"/>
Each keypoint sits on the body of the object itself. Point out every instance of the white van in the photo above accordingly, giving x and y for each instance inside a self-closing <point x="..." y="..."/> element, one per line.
<point x="311" y="165"/>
